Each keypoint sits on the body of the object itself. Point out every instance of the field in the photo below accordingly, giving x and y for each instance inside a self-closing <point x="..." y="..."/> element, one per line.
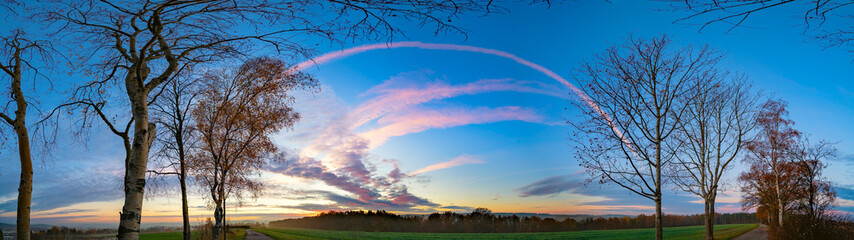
<point x="679" y="233"/>
<point x="237" y="234"/>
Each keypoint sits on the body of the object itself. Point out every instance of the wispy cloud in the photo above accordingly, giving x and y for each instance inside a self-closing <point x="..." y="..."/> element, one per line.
<point x="549" y="186"/>
<point x="458" y="161"/>
<point x="418" y="120"/>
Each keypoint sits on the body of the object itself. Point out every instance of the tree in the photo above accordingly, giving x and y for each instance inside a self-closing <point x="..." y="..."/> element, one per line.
<point x="236" y="113"/>
<point x="17" y="55"/>
<point x="759" y="188"/>
<point x="136" y="46"/>
<point x="718" y="120"/>
<point x="735" y="12"/>
<point x="814" y="193"/>
<point x="638" y="92"/>
<point x="172" y="111"/>
<point x="770" y="153"/>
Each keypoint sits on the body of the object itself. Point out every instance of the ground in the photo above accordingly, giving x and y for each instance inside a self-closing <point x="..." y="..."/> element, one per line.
<point x="760" y="233"/>
<point x="685" y="233"/>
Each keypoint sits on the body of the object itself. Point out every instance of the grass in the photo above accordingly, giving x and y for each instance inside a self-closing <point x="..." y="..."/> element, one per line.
<point x="162" y="236"/>
<point x="680" y="233"/>
<point x="236" y="234"/>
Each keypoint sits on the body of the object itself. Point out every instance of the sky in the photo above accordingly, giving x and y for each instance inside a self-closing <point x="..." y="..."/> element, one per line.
<point x="451" y="122"/>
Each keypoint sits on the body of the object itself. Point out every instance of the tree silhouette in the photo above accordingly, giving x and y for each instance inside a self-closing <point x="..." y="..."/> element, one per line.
<point x="814" y="194"/>
<point x="815" y="14"/>
<point x="172" y="112"/>
<point x="640" y="91"/>
<point x="712" y="134"/>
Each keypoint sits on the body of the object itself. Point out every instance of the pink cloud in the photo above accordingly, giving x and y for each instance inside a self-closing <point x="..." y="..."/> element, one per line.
<point x="395" y="99"/>
<point x="458" y="161"/>
<point x="417" y="120"/>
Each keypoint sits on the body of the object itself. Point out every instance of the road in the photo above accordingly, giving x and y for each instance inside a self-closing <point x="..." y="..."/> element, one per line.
<point x="760" y="233"/>
<point x="253" y="235"/>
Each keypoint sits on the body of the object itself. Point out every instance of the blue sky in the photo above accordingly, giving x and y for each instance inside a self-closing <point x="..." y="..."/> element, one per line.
<point x="479" y="130"/>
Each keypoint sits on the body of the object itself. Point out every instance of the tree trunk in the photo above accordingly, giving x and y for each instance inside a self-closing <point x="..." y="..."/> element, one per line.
<point x="706" y="221"/>
<point x="184" y="207"/>
<point x="710" y="219"/>
<point x="659" y="219"/>
<point x="183" y="180"/>
<point x="779" y="200"/>
<point x="218" y="216"/>
<point x="25" y="188"/>
<point x="136" y="162"/>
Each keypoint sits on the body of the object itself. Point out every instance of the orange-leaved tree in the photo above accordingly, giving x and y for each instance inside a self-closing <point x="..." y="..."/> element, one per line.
<point x="236" y="112"/>
<point x="770" y="155"/>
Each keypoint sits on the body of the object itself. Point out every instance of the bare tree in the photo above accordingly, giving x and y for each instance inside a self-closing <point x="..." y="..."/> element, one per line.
<point x="638" y="92"/>
<point x="172" y="112"/>
<point x="236" y="113"/>
<point x="136" y="46"/>
<point x="17" y="55"/>
<point x="816" y="194"/>
<point x="717" y="124"/>
<point x="815" y="15"/>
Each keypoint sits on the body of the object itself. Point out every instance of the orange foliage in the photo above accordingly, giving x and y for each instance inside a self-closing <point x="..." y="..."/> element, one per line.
<point x="236" y="113"/>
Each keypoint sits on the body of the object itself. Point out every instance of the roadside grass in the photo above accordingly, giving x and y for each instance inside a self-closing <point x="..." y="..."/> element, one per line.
<point x="722" y="232"/>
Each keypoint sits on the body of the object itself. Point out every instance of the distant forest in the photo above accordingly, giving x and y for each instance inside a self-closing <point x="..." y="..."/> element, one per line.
<point x="482" y="220"/>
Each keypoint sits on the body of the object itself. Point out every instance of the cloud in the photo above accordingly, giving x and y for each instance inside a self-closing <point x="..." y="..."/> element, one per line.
<point x="458" y="161"/>
<point x="67" y="186"/>
<point x="418" y="120"/>
<point x="311" y="169"/>
<point x="400" y="201"/>
<point x="461" y="208"/>
<point x="394" y="107"/>
<point x="386" y="192"/>
<point x="549" y="186"/>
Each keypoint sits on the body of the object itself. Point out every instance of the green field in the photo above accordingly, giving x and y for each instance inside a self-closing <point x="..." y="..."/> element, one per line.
<point x="161" y="236"/>
<point x="681" y="233"/>
<point x="238" y="234"/>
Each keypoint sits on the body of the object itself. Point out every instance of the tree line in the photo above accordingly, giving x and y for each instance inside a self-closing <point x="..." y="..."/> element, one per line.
<point x="482" y="220"/>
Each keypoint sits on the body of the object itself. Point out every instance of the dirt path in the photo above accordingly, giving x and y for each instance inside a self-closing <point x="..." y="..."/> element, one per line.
<point x="253" y="235"/>
<point x="760" y="233"/>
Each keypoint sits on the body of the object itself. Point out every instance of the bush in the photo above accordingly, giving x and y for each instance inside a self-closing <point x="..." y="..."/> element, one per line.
<point x="803" y="227"/>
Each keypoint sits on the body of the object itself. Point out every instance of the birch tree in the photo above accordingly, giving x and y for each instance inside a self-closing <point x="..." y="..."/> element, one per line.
<point x="18" y="56"/>
<point x="236" y="113"/>
<point x="772" y="150"/>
